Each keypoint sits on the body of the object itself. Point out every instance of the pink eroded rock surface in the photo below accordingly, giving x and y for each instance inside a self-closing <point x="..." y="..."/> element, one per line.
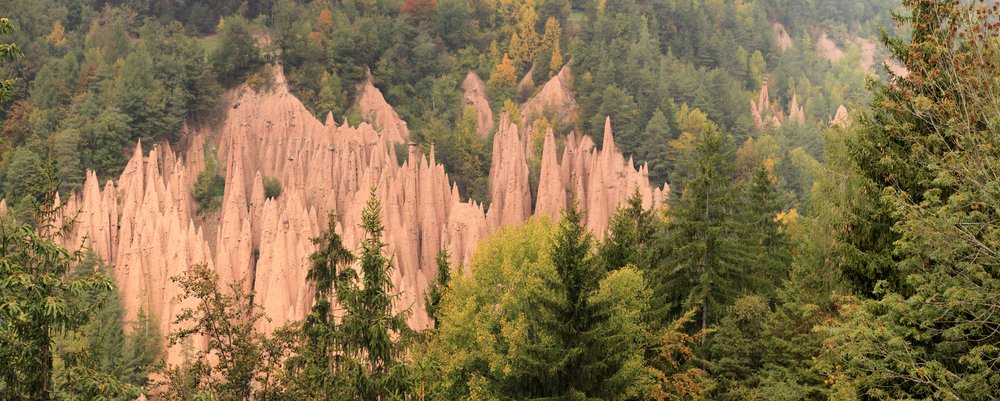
<point x="766" y="114"/>
<point x="145" y="223"/>
<point x="377" y="112"/>
<point x="474" y="95"/>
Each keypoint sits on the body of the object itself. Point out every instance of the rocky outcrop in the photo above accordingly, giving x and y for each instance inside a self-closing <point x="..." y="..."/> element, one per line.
<point x="377" y="112"/>
<point x="828" y="49"/>
<point x="145" y="222"/>
<point x="781" y="36"/>
<point x="841" y="118"/>
<point x="510" y="194"/>
<point x="557" y="95"/>
<point x="766" y="114"/>
<point x="597" y="180"/>
<point x="551" y="197"/>
<point x="475" y="96"/>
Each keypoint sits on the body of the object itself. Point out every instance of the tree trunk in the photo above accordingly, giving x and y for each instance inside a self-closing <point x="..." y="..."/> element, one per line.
<point x="45" y="376"/>
<point x="704" y="319"/>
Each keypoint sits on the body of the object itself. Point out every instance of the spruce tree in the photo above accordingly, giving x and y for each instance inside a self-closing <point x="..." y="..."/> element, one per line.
<point x="315" y="371"/>
<point x="768" y="254"/>
<point x="576" y="365"/>
<point x="371" y="334"/>
<point x="933" y="136"/>
<point x="706" y="263"/>
<point x="632" y="238"/>
<point x="439" y="286"/>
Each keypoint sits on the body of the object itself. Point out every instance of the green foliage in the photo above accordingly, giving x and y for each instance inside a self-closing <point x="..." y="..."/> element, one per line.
<point x="138" y="95"/>
<point x="24" y="174"/>
<point x="762" y="245"/>
<point x="631" y="239"/>
<point x="706" y="252"/>
<point x="100" y="361"/>
<point x="371" y="335"/>
<point x="272" y="187"/>
<point x="107" y="78"/>
<point x="109" y="136"/>
<point x="243" y="360"/>
<point x="927" y="331"/>
<point x="738" y="349"/>
<point x="439" y="287"/>
<point x="537" y="316"/>
<point x="210" y="185"/>
<point x="66" y="153"/>
<point x="770" y="259"/>
<point x="237" y="55"/>
<point x="8" y="52"/>
<point x="314" y="370"/>
<point x="461" y="151"/>
<point x="477" y="350"/>
<point x="39" y="300"/>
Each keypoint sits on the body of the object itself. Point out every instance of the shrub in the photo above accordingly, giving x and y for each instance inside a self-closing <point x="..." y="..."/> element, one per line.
<point x="272" y="187"/>
<point x="210" y="186"/>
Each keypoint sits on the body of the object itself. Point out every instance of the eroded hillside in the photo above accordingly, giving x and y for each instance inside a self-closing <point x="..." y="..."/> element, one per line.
<point x="145" y="222"/>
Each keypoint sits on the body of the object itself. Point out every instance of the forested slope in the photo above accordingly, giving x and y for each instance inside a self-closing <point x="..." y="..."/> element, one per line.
<point x="804" y="252"/>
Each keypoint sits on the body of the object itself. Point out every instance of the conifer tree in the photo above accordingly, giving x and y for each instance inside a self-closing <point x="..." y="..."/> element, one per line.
<point x="572" y="367"/>
<point x="705" y="257"/>
<point x="371" y="334"/>
<point x="930" y="149"/>
<point x="768" y="258"/>
<point x="439" y="286"/>
<point x="631" y="237"/>
<point x="315" y="371"/>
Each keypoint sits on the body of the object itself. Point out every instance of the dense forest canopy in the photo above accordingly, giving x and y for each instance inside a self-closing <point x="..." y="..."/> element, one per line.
<point x="804" y="252"/>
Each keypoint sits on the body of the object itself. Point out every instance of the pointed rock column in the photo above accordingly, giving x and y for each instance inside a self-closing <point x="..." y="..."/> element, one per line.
<point x="510" y="194"/>
<point x="551" y="191"/>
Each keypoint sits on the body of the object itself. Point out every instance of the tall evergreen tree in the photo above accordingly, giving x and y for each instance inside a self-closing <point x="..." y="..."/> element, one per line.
<point x="769" y="249"/>
<point x="706" y="257"/>
<point x="932" y="139"/>
<point x="632" y="238"/>
<point x="371" y="334"/>
<point x="314" y="370"/>
<point x="584" y="359"/>
<point x="439" y="287"/>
